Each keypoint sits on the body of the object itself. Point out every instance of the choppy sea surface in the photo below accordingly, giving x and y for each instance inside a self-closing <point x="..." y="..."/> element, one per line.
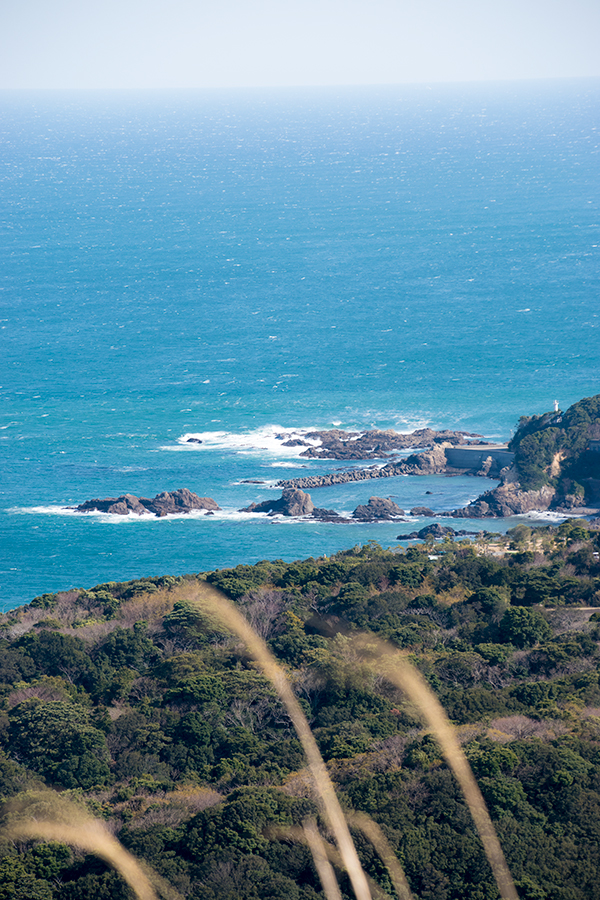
<point x="239" y="265"/>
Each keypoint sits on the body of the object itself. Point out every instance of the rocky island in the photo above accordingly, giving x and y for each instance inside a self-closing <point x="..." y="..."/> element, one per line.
<point x="294" y="502"/>
<point x="164" y="504"/>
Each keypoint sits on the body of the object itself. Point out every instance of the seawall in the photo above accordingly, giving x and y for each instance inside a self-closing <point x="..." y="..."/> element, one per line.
<point x="474" y="457"/>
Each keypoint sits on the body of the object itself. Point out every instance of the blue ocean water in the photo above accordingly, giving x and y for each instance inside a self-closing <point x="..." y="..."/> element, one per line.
<point x="233" y="264"/>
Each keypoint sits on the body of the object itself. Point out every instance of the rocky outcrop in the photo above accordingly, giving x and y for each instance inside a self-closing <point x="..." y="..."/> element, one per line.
<point x="423" y="511"/>
<point x="377" y="509"/>
<point x="375" y="444"/>
<point x="328" y="515"/>
<point x="164" y="504"/>
<point x="505" y="500"/>
<point x="171" y="502"/>
<point x="486" y="467"/>
<point x="116" y="506"/>
<point x="436" y="531"/>
<point x="292" y="502"/>
<point x="430" y="462"/>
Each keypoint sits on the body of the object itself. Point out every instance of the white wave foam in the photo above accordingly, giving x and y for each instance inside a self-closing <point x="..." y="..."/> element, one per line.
<point x="234" y="515"/>
<point x="71" y="511"/>
<point x="259" y="485"/>
<point x="41" y="510"/>
<point x="544" y="515"/>
<point x="283" y="465"/>
<point x="227" y="514"/>
<point x="270" y="440"/>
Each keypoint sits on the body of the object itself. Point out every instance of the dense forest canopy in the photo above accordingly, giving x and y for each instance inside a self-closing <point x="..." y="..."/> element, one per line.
<point x="129" y="700"/>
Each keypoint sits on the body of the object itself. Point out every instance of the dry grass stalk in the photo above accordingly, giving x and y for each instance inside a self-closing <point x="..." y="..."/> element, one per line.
<point x="213" y="603"/>
<point x="48" y="816"/>
<point x="324" y="868"/>
<point x="404" y="675"/>
<point x="373" y="832"/>
<point x="295" y="833"/>
<point x="92" y="837"/>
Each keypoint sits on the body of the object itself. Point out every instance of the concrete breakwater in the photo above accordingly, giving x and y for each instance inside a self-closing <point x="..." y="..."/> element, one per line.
<point x="316" y="481"/>
<point x="487" y="460"/>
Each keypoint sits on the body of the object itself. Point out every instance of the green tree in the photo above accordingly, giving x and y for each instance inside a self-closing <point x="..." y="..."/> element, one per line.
<point x="523" y="627"/>
<point x="18" y="883"/>
<point x="57" y="740"/>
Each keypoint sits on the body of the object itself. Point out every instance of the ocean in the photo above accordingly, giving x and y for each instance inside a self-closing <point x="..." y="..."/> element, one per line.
<point x="237" y="265"/>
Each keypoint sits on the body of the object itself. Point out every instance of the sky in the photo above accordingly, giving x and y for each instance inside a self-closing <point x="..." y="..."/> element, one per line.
<point x="238" y="43"/>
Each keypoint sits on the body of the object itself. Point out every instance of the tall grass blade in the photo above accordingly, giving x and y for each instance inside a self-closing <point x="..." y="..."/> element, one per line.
<point x="82" y="832"/>
<point x="373" y="832"/>
<point x="213" y="603"/>
<point x="386" y="660"/>
<point x="324" y="868"/>
<point x="295" y="833"/>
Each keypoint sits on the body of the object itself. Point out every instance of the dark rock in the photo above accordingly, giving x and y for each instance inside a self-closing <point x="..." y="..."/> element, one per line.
<point x="168" y="502"/>
<point x="437" y="531"/>
<point x="180" y="501"/>
<point x="252" y="481"/>
<point x="193" y="441"/>
<point x="292" y="502"/>
<point x="422" y="511"/>
<point x="377" y="508"/>
<point x="116" y="506"/>
<point x="329" y="515"/>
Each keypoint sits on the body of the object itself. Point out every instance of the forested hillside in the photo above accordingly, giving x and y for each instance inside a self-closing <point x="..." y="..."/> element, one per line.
<point x="129" y="700"/>
<point x="553" y="449"/>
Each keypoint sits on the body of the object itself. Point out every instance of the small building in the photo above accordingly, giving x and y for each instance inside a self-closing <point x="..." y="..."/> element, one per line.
<point x="594" y="438"/>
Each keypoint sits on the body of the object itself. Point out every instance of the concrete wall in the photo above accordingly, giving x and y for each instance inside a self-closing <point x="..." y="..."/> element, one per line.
<point x="474" y="457"/>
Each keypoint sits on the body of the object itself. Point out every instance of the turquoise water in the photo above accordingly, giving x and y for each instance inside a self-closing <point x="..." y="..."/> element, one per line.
<point x="229" y="264"/>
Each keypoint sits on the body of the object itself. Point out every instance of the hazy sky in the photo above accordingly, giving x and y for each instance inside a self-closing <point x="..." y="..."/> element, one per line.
<point x="222" y="43"/>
